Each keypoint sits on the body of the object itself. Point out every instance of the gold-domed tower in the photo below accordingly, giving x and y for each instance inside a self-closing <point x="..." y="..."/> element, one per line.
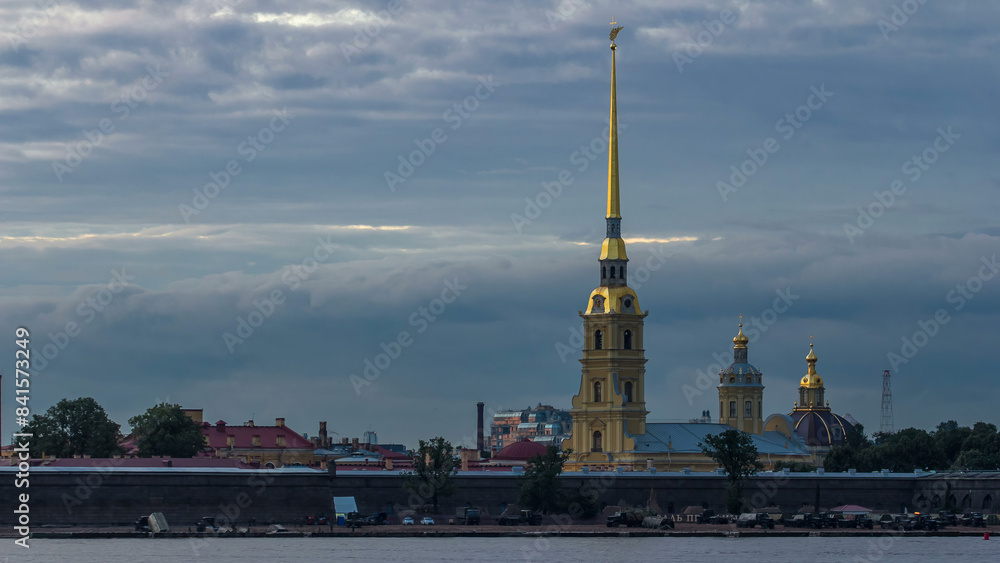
<point x="610" y="407"/>
<point x="815" y="423"/>
<point x="741" y="391"/>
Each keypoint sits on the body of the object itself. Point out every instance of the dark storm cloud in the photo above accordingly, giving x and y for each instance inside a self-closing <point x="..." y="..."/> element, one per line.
<point x="364" y="87"/>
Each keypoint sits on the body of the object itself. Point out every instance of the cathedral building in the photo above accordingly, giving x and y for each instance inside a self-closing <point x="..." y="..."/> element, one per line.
<point x="609" y="411"/>
<point x="814" y="422"/>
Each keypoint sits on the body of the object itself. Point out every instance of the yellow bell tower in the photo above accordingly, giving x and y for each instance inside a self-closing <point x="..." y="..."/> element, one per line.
<point x="610" y="407"/>
<point x="741" y="391"/>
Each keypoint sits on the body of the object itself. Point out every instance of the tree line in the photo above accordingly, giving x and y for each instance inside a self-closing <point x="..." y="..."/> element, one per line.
<point x="82" y="427"/>
<point x="948" y="447"/>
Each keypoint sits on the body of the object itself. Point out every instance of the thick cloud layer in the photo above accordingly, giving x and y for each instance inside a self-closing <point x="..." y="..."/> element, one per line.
<point x="348" y="176"/>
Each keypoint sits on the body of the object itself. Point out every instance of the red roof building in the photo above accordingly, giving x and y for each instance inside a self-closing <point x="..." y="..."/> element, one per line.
<point x="268" y="446"/>
<point x="519" y="453"/>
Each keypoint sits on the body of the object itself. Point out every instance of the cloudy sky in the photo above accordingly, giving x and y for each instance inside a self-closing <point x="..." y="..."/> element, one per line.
<point x="234" y="205"/>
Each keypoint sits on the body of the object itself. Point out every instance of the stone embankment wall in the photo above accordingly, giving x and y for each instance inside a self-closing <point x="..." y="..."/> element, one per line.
<point x="117" y="496"/>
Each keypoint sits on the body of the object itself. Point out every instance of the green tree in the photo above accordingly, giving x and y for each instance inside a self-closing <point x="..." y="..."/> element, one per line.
<point x="164" y="429"/>
<point x="841" y="458"/>
<point x="854" y="453"/>
<point x="74" y="427"/>
<point x="539" y="487"/>
<point x="856" y="438"/>
<point x="950" y="437"/>
<point x="909" y="449"/>
<point x="735" y="453"/>
<point x="433" y="472"/>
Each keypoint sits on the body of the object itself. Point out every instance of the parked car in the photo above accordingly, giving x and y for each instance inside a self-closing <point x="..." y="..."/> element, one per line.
<point x="948" y="517"/>
<point x="427" y="521"/>
<point x="408" y="521"/>
<point x="973" y="519"/>
<point x="377" y="519"/>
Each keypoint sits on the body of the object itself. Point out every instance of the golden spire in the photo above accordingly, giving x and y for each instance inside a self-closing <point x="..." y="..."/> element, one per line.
<point x="741" y="340"/>
<point x="614" y="207"/>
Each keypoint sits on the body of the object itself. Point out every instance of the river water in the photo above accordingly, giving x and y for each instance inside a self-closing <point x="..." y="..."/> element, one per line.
<point x="547" y="550"/>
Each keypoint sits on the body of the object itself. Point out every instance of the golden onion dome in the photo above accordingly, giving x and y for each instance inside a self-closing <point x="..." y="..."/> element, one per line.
<point x="740" y="340"/>
<point x="812" y="379"/>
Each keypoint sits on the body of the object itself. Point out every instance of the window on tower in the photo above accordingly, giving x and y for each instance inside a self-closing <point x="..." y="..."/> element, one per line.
<point x="597" y="446"/>
<point x="621" y="272"/>
<point x="628" y="391"/>
<point x="628" y="339"/>
<point x="597" y="391"/>
<point x="732" y="409"/>
<point x="612" y="272"/>
<point x="748" y="409"/>
<point x="604" y="272"/>
<point x="598" y="340"/>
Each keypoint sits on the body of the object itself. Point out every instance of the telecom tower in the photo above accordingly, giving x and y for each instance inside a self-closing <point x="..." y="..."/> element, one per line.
<point x="886" y="404"/>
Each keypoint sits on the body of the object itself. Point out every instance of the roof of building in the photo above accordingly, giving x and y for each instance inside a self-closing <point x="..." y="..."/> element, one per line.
<point x="520" y="451"/>
<point x="102" y="462"/>
<point x="243" y="436"/>
<point x="684" y="437"/>
<point x="820" y="427"/>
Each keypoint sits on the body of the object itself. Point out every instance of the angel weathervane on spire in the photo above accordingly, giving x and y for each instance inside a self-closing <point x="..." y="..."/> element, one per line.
<point x="614" y="32"/>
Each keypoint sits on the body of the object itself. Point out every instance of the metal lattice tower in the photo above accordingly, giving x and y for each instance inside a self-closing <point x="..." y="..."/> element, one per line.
<point x="886" y="427"/>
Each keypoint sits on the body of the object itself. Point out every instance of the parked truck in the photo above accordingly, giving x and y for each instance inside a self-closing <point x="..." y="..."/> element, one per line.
<point x="631" y="518"/>
<point x="467" y="516"/>
<point x="525" y="517"/>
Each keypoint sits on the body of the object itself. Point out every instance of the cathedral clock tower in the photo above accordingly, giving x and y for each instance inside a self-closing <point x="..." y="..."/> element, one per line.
<point x="610" y="408"/>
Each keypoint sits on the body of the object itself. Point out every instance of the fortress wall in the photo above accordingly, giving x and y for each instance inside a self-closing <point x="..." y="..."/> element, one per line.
<point x="108" y="497"/>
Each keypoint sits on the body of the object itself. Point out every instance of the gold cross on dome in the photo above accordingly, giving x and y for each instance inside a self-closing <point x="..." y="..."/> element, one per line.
<point x="810" y="340"/>
<point x="613" y="22"/>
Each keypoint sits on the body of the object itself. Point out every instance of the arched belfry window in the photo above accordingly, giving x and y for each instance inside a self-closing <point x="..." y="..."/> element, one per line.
<point x="597" y="446"/>
<point x="597" y="391"/>
<point x="604" y="272"/>
<point x="612" y="272"/>
<point x="628" y="339"/>
<point x="628" y="391"/>
<point x="621" y="272"/>
<point x="598" y="340"/>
